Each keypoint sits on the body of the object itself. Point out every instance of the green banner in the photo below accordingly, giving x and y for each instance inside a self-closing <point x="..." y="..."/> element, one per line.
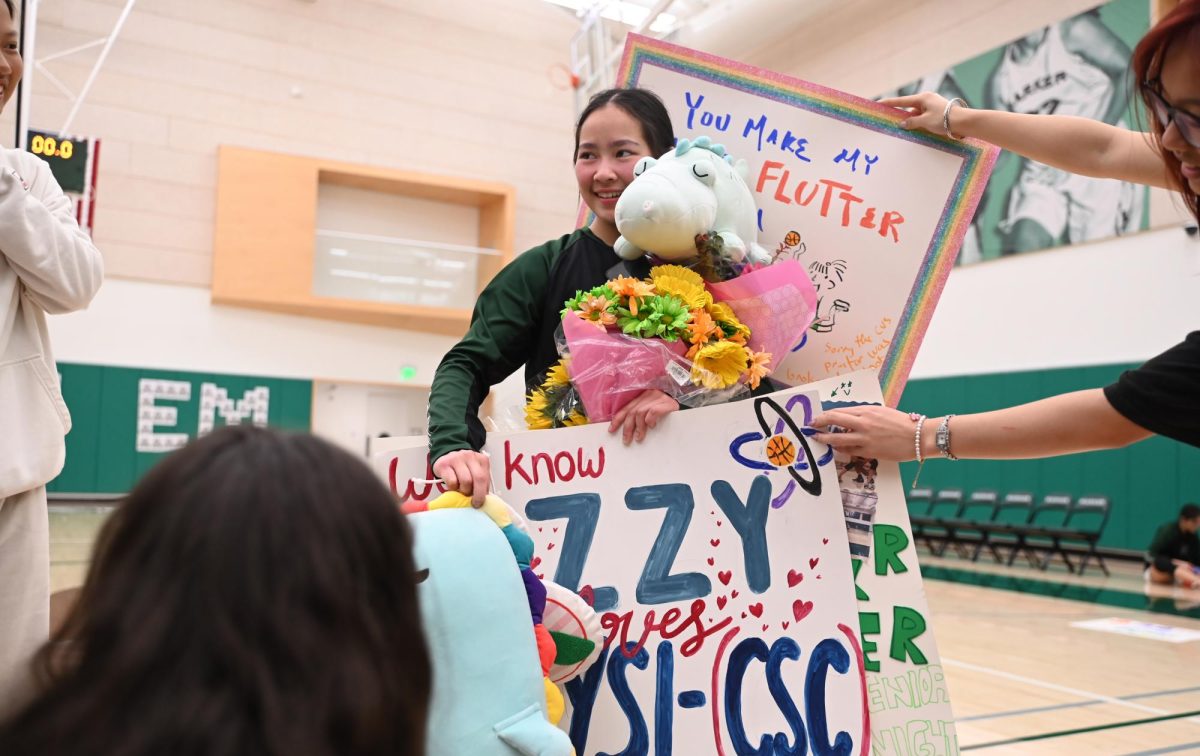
<point x="124" y="420"/>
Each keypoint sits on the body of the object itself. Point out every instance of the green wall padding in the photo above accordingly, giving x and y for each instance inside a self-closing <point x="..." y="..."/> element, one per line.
<point x="102" y="455"/>
<point x="1146" y="482"/>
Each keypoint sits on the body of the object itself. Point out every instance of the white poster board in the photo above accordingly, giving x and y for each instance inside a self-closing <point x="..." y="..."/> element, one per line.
<point x="906" y="689"/>
<point x="719" y="570"/>
<point x="875" y="214"/>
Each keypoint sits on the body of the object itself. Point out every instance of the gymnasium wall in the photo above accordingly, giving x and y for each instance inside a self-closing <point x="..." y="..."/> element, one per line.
<point x="463" y="88"/>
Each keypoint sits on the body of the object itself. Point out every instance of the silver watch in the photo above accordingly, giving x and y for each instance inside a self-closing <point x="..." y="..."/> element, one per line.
<point x="943" y="438"/>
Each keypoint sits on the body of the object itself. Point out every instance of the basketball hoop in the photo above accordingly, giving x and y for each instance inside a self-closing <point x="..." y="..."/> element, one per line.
<point x="562" y="78"/>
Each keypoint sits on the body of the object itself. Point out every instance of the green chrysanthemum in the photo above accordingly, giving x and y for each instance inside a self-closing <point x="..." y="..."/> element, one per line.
<point x="663" y="316"/>
<point x="576" y="303"/>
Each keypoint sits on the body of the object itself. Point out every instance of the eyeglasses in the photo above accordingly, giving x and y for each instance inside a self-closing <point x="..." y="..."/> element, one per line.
<point x="1187" y="124"/>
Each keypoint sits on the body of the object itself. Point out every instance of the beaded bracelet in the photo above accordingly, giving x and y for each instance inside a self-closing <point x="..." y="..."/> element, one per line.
<point x="917" y="446"/>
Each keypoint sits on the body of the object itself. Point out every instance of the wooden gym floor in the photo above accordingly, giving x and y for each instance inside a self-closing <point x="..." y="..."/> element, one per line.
<point x="1023" y="680"/>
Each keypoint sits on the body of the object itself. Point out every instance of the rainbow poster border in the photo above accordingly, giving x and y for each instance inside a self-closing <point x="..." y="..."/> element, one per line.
<point x="978" y="160"/>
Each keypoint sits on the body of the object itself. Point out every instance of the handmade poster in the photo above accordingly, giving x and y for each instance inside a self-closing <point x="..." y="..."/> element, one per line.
<point x="906" y="690"/>
<point x="876" y="214"/>
<point x="715" y="553"/>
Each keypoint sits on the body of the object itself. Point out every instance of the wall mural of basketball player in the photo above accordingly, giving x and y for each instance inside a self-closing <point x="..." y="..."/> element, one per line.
<point x="944" y="83"/>
<point x="1075" y="67"/>
<point x="825" y="277"/>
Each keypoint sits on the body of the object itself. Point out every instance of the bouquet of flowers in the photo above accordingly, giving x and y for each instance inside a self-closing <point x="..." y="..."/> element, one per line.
<point x="703" y="333"/>
<point x="673" y="332"/>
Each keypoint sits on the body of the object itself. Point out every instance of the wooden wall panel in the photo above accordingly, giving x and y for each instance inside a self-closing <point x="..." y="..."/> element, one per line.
<point x="264" y="242"/>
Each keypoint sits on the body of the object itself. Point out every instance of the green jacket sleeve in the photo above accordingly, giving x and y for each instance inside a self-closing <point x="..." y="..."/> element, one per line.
<point x="500" y="340"/>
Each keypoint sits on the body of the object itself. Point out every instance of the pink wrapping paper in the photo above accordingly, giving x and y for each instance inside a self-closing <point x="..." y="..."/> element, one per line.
<point x="608" y="369"/>
<point x="778" y="303"/>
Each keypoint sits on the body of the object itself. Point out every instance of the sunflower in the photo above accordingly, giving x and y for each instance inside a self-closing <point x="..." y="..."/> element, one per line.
<point x="554" y="404"/>
<point x="757" y="369"/>
<point x="676" y="271"/>
<point x="719" y="365"/>
<point x="535" y="411"/>
<point x="557" y="375"/>
<point x="683" y="283"/>
<point x="727" y="319"/>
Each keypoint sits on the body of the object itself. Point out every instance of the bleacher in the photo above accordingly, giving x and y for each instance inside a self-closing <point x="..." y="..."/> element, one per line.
<point x="1058" y="526"/>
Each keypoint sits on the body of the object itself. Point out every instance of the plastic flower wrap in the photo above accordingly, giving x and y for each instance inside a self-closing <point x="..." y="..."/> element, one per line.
<point x="555" y="403"/>
<point x="629" y="335"/>
<point x="702" y="331"/>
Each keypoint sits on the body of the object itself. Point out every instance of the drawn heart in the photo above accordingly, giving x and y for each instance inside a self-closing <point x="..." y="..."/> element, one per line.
<point x="715" y="542"/>
<point x="794" y="578"/>
<point x="825" y="541"/>
<point x="718" y="523"/>
<point x="765" y="628"/>
<point x="711" y="561"/>
<point x="813" y="562"/>
<point x="801" y="609"/>
<point x="550" y="546"/>
<point x="734" y="594"/>
<point x="555" y="529"/>
<point x="539" y="530"/>
<point x="721" y="601"/>
<point x="755" y="609"/>
<point x="588" y="594"/>
<point x="818" y="577"/>
<point x="533" y="563"/>
<point x="743" y="615"/>
<point x="724" y="576"/>
<point x="785" y="624"/>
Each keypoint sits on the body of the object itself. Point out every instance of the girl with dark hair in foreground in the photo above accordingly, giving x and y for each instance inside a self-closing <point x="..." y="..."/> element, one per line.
<point x="255" y="594"/>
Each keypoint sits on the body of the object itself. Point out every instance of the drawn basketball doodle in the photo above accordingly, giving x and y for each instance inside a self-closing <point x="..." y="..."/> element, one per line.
<point x="791" y="248"/>
<point x="825" y="277"/>
<point x="784" y="439"/>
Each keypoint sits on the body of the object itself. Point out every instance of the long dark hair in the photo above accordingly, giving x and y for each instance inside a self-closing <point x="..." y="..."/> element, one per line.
<point x="1179" y="27"/>
<point x="255" y="594"/>
<point x="643" y="106"/>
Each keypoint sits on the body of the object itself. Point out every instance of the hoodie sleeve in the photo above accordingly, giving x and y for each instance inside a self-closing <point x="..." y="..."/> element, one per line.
<point x="55" y="260"/>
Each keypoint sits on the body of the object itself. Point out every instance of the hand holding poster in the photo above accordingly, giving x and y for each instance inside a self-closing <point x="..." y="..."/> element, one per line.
<point x="717" y="558"/>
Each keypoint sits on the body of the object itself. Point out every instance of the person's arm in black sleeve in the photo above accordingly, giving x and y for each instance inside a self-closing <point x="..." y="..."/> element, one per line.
<point x="1159" y="553"/>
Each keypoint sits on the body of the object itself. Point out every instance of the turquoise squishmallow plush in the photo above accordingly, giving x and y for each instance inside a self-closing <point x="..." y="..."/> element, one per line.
<point x="482" y="608"/>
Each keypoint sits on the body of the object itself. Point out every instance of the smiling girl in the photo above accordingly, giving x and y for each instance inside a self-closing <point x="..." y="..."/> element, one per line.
<point x="516" y="316"/>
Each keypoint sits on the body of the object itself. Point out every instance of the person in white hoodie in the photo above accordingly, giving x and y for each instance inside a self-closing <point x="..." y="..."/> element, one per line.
<point x="47" y="265"/>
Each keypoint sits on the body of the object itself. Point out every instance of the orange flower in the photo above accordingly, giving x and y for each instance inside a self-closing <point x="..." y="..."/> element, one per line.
<point x="633" y="289"/>
<point x="595" y="310"/>
<point x="757" y="369"/>
<point x="737" y="338"/>
<point x="701" y="327"/>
